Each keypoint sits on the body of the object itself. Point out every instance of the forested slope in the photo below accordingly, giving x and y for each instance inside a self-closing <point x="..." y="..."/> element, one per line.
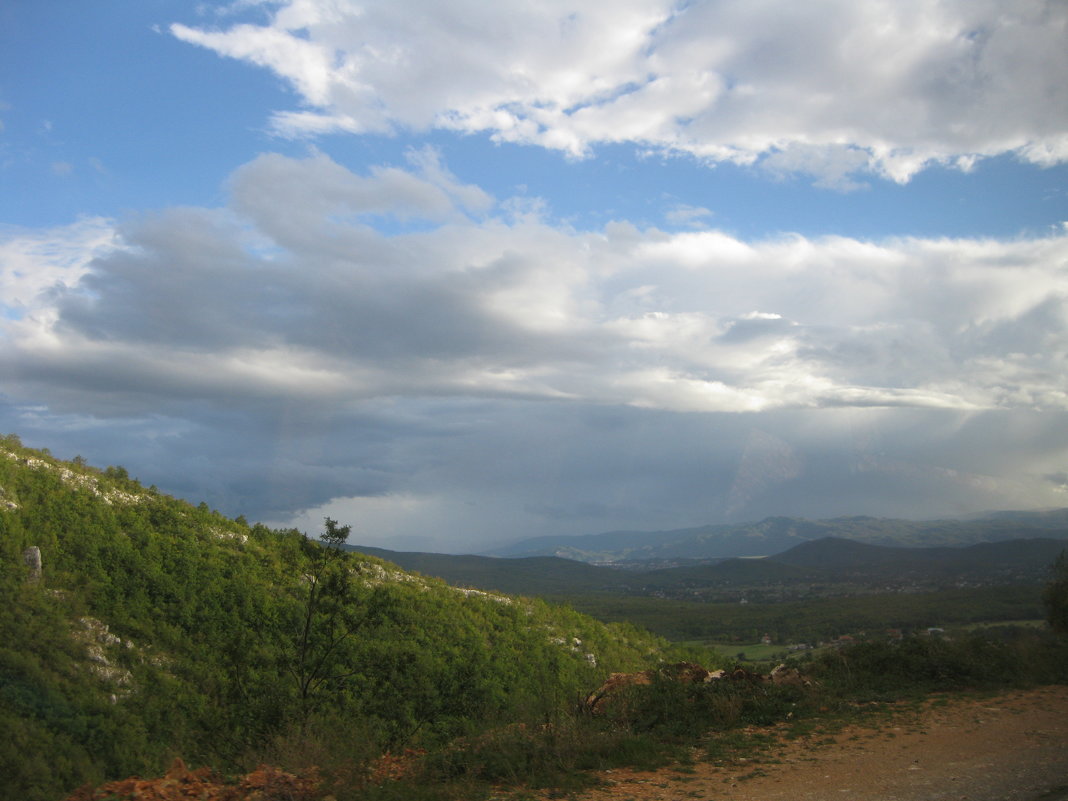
<point x="155" y="628"/>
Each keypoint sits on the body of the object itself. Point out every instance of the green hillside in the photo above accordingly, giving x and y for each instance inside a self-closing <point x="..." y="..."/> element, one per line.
<point x="828" y="568"/>
<point x="531" y="575"/>
<point x="1008" y="561"/>
<point x="730" y="572"/>
<point x="817" y="618"/>
<point x="157" y="629"/>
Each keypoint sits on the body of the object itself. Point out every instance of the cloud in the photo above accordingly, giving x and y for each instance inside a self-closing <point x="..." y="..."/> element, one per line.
<point x="833" y="89"/>
<point x="331" y="337"/>
<point x="522" y="470"/>
<point x="833" y="166"/>
<point x="34" y="261"/>
<point x="683" y="215"/>
<point x="292" y="292"/>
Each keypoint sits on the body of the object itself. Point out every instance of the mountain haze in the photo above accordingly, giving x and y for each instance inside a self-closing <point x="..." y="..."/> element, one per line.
<point x="776" y="534"/>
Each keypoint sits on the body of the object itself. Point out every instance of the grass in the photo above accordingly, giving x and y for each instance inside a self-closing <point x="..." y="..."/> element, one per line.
<point x="733" y="747"/>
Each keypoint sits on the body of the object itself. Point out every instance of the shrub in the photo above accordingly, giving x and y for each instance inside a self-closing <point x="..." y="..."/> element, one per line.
<point x="684" y="711"/>
<point x="917" y="665"/>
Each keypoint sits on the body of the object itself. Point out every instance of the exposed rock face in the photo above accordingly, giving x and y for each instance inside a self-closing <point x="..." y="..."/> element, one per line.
<point x="97" y="640"/>
<point x="32" y="558"/>
<point x="79" y="481"/>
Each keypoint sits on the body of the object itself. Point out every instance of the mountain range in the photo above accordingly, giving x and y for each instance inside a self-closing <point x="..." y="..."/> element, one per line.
<point x="829" y="565"/>
<point x="776" y="534"/>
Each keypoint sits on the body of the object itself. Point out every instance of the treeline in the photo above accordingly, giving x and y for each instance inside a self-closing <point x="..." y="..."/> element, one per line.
<point x="157" y="628"/>
<point x="818" y="619"/>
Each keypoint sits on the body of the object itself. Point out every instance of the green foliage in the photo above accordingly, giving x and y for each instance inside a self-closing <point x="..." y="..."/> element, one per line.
<point x="329" y="617"/>
<point x="553" y="754"/>
<point x="818" y="619"/>
<point x="681" y="712"/>
<point x="161" y="629"/>
<point x="1055" y="595"/>
<point x="825" y="568"/>
<point x="916" y="665"/>
<point x="647" y="726"/>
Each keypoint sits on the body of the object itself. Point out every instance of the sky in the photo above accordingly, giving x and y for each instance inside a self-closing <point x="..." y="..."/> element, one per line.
<point x="460" y="273"/>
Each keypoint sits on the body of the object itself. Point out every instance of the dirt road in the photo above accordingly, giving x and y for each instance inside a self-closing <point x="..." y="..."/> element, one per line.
<point x="1011" y="747"/>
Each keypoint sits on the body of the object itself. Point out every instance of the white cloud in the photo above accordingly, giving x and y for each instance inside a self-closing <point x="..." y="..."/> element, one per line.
<point x="34" y="261"/>
<point x="406" y="359"/>
<point x="831" y="89"/>
<point x="294" y="293"/>
<point x="686" y="216"/>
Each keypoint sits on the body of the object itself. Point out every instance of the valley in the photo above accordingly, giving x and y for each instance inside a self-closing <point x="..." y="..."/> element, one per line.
<point x="816" y="590"/>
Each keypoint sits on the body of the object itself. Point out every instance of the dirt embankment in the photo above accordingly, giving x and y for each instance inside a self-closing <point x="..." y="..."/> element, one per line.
<point x="1010" y="747"/>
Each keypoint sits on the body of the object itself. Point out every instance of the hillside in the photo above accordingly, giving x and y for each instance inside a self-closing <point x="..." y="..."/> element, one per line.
<point x="828" y="567"/>
<point x="1009" y="560"/>
<point x="533" y="575"/>
<point x="135" y="626"/>
<point x="777" y="534"/>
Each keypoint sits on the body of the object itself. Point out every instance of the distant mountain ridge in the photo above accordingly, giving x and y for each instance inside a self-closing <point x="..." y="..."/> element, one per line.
<point x="833" y="564"/>
<point x="777" y="534"/>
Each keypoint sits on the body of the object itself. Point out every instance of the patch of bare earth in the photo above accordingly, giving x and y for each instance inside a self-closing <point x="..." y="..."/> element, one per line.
<point x="1009" y="747"/>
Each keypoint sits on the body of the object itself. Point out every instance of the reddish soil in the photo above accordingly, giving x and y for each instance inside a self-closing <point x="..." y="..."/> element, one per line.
<point x="1009" y="747"/>
<point x="182" y="784"/>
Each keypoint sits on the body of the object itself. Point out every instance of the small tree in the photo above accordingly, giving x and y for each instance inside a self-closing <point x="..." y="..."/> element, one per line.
<point x="1055" y="596"/>
<point x="328" y="619"/>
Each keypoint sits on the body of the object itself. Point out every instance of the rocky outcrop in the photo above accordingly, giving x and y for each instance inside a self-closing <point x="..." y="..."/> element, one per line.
<point x="98" y="641"/>
<point x="77" y="480"/>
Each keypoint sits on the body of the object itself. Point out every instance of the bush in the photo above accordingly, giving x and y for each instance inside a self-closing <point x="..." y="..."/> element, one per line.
<point x="918" y="665"/>
<point x="684" y="711"/>
<point x="548" y="755"/>
<point x="1055" y="595"/>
